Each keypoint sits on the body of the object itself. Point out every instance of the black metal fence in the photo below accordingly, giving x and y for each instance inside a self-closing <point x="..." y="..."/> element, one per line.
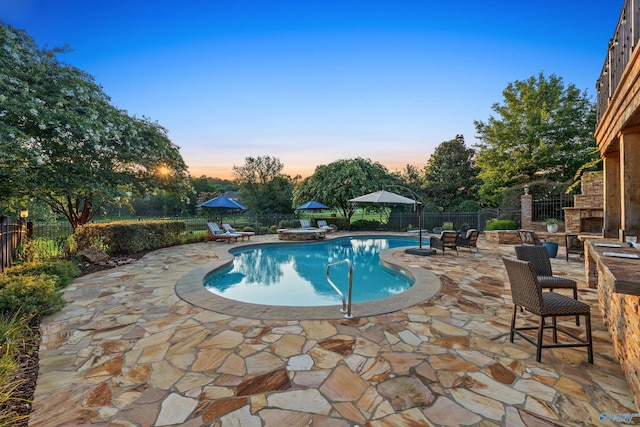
<point x="12" y="233"/>
<point x="545" y="208"/>
<point x="397" y="221"/>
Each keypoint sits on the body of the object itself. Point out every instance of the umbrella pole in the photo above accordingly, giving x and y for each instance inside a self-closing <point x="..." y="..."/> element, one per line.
<point x="419" y="205"/>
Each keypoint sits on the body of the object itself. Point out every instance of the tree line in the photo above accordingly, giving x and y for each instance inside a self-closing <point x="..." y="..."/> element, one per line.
<point x="63" y="145"/>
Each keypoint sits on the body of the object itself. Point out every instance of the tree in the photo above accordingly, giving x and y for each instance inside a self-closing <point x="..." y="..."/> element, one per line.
<point x="411" y="177"/>
<point x="64" y="144"/>
<point x="451" y="175"/>
<point x="334" y="184"/>
<point x="263" y="186"/>
<point x="543" y="130"/>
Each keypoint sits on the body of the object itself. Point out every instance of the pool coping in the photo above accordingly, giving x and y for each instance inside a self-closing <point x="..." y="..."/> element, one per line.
<point x="190" y="289"/>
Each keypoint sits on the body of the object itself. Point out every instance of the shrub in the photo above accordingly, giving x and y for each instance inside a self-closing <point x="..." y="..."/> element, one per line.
<point x="289" y="223"/>
<point x="15" y="333"/>
<point x="130" y="237"/>
<point x="63" y="272"/>
<point x="341" y="223"/>
<point x="367" y="224"/>
<point x="42" y="249"/>
<point x="502" y="224"/>
<point x="33" y="295"/>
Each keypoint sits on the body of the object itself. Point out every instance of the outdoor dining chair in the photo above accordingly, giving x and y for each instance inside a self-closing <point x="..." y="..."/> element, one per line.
<point x="538" y="256"/>
<point x="526" y="293"/>
<point x="573" y="245"/>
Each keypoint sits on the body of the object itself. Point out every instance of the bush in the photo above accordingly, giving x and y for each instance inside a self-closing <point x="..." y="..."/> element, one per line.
<point x="42" y="249"/>
<point x="63" y="272"/>
<point x="289" y="223"/>
<point x="130" y="237"/>
<point x="341" y="223"/>
<point x="33" y="295"/>
<point x="367" y="224"/>
<point x="15" y="337"/>
<point x="502" y="224"/>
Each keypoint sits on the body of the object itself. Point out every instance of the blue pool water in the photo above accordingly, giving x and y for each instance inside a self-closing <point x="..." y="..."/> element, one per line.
<point x="295" y="273"/>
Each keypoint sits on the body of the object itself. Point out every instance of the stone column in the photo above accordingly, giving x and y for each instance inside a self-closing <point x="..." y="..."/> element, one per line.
<point x="526" y="211"/>
<point x="612" y="195"/>
<point x="629" y="179"/>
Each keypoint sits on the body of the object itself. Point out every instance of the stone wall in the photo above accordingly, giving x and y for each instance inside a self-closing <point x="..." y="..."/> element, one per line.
<point x="511" y="237"/>
<point x="587" y="213"/>
<point x="622" y="316"/>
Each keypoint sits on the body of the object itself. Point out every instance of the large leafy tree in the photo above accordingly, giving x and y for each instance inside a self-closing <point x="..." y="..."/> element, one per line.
<point x="334" y="184"/>
<point x="451" y="175"/>
<point x="263" y="186"/>
<point x="543" y="129"/>
<point x="64" y="144"/>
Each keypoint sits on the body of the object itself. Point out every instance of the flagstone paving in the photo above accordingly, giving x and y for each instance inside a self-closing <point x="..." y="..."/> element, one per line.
<point x="127" y="351"/>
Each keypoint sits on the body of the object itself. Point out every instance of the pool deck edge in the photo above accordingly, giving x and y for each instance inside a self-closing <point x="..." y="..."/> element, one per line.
<point x="190" y="289"/>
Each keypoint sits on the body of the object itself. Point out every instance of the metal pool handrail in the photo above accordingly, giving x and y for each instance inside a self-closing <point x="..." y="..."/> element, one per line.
<point x="346" y="307"/>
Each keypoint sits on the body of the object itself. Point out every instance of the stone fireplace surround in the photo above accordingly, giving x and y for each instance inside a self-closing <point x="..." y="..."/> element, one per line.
<point x="587" y="214"/>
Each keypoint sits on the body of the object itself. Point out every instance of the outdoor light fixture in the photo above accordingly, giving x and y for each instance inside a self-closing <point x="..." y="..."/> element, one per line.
<point x="24" y="213"/>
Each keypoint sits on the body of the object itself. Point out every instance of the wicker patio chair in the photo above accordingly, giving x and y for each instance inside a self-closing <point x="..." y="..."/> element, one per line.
<point x="529" y="237"/>
<point x="468" y="240"/>
<point x="526" y="293"/>
<point x="541" y="263"/>
<point x="573" y="245"/>
<point x="448" y="239"/>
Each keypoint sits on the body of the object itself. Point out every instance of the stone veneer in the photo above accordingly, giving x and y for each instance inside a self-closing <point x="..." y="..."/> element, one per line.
<point x="511" y="237"/>
<point x="620" y="312"/>
<point x="587" y="214"/>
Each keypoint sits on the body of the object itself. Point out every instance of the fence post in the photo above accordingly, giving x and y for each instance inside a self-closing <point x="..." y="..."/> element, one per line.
<point x="526" y="211"/>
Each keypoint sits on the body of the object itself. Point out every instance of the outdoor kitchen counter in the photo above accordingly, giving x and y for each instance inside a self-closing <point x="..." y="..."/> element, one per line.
<point x="622" y="274"/>
<point x="618" y="283"/>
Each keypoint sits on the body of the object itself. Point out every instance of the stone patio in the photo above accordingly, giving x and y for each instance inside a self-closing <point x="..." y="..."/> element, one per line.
<point x="127" y="351"/>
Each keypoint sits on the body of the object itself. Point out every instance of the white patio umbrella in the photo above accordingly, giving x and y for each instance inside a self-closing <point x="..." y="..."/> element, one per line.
<point x="384" y="196"/>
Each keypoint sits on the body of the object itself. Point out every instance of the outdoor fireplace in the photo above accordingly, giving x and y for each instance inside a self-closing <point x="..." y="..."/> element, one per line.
<point x="587" y="214"/>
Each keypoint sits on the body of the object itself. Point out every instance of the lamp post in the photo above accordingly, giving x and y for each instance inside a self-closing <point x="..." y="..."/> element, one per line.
<point x="419" y="204"/>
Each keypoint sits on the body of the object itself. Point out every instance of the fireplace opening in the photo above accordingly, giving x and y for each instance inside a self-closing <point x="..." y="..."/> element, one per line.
<point x="591" y="225"/>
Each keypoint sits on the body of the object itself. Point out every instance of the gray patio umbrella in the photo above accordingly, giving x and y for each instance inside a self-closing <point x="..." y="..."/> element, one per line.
<point x="384" y="196"/>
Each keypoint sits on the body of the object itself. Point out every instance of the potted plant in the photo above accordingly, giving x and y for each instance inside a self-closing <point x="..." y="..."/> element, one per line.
<point x="552" y="224"/>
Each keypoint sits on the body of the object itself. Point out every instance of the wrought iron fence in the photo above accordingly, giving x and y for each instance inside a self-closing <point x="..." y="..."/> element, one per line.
<point x="262" y="224"/>
<point x="12" y="233"/>
<point x="545" y="208"/>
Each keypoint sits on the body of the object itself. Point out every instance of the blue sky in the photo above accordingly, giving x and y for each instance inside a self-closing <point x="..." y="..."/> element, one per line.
<point x="311" y="82"/>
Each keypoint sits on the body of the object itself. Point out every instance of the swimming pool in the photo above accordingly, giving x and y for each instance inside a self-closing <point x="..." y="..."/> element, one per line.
<point x="295" y="274"/>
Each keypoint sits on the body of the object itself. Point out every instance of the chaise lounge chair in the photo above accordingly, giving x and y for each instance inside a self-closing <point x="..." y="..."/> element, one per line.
<point x="304" y="223"/>
<point x="448" y="239"/>
<point x="229" y="229"/>
<point x="323" y="224"/>
<point x="215" y="233"/>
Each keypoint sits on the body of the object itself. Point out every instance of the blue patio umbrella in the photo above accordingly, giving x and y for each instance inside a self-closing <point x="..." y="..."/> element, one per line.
<point x="222" y="202"/>
<point x="312" y="204"/>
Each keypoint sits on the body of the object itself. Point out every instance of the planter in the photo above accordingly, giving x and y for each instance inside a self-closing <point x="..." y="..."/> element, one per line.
<point x="552" y="228"/>
<point x="552" y="248"/>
